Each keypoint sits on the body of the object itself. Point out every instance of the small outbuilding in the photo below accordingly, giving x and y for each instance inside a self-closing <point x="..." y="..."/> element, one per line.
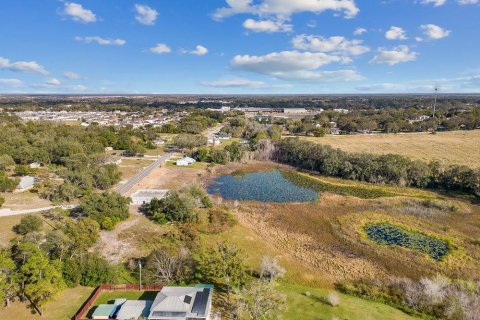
<point x="185" y="162"/>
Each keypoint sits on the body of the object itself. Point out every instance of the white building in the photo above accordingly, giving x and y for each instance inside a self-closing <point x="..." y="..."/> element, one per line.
<point x="185" y="161"/>
<point x="145" y="196"/>
<point x="294" y="110"/>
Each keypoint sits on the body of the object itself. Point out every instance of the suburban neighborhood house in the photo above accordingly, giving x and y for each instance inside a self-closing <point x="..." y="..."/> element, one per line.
<point x="185" y="161"/>
<point x="171" y="303"/>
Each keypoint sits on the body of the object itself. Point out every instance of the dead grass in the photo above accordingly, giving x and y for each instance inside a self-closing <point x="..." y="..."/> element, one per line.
<point x="23" y="201"/>
<point x="130" y="167"/>
<point x="454" y="147"/>
<point x="6" y="229"/>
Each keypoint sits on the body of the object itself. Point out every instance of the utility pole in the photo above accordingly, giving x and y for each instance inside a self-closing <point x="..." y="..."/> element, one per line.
<point x="140" y="267"/>
<point x="435" y="102"/>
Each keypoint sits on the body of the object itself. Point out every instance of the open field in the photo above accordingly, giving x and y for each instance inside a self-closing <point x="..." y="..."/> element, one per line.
<point x="23" y="201"/>
<point x="454" y="147"/>
<point x="6" y="225"/>
<point x="62" y="307"/>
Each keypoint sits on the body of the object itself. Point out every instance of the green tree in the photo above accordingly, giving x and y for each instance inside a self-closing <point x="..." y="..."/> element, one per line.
<point x="7" y="184"/>
<point x="222" y="264"/>
<point x="88" y="270"/>
<point x="259" y="301"/>
<point x="29" y="224"/>
<point x="2" y="201"/>
<point x="8" y="286"/>
<point x="6" y="161"/>
<point x="83" y="233"/>
<point x="107" y="208"/>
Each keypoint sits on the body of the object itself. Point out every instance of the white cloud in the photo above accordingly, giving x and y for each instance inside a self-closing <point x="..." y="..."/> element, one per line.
<point x="396" y="33"/>
<point x="285" y="8"/>
<point x="465" y="2"/>
<point x="160" y="48"/>
<point x="102" y="41"/>
<point x="396" y="55"/>
<point x="22" y="66"/>
<point x="436" y="3"/>
<point x="53" y="82"/>
<point x="71" y="75"/>
<point x="268" y="26"/>
<point x="336" y="44"/>
<point x="295" y="65"/>
<point x="359" y="31"/>
<point x="79" y="87"/>
<point x="11" y="82"/>
<point x="78" y="13"/>
<point x="434" y="32"/>
<point x="234" y="83"/>
<point x="145" y="15"/>
<point x="199" y="51"/>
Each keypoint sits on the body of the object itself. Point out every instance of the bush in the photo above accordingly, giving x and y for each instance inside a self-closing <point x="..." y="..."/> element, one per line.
<point x="106" y="208"/>
<point x="88" y="270"/>
<point x="2" y="201"/>
<point x="29" y="224"/>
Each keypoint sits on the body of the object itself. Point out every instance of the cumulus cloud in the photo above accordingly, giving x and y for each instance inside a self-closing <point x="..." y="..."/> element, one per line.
<point x="160" y="48"/>
<point x="102" y="41"/>
<point x="359" y="31"/>
<point x="434" y="32"/>
<point x="22" y="66"/>
<point x="145" y="15"/>
<point x="395" y="56"/>
<point x="11" y="82"/>
<point x="436" y="3"/>
<point x="199" y="51"/>
<point x="396" y="33"/>
<point x="78" y="13"/>
<point x="295" y="65"/>
<point x="268" y="26"/>
<point x="335" y="44"/>
<point x="285" y="8"/>
<point x="71" y="75"/>
<point x="53" y="82"/>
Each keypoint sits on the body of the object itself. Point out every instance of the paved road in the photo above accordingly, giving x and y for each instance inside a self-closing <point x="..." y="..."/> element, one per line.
<point x="124" y="188"/>
<point x="9" y="212"/>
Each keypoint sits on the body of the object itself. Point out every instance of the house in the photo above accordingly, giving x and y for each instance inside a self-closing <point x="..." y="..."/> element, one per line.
<point x="34" y="165"/>
<point x="214" y="142"/>
<point x="185" y="161"/>
<point x="171" y="303"/>
<point x="145" y="196"/>
<point x="159" y="142"/>
<point x="294" y="110"/>
<point x="223" y="136"/>
<point x="26" y="183"/>
<point x="182" y="303"/>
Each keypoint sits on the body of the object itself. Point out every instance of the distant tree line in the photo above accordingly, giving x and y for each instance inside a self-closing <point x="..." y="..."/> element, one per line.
<point x="389" y="168"/>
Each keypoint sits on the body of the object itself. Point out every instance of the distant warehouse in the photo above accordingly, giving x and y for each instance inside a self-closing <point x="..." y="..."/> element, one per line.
<point x="295" y="110"/>
<point x="145" y="196"/>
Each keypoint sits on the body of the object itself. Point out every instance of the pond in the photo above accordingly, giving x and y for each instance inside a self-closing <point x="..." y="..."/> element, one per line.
<point x="387" y="234"/>
<point x="263" y="186"/>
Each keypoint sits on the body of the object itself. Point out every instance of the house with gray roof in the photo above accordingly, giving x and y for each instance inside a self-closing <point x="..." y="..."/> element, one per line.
<point x="171" y="303"/>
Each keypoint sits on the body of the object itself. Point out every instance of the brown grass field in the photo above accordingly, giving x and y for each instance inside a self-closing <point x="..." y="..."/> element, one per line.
<point x="454" y="147"/>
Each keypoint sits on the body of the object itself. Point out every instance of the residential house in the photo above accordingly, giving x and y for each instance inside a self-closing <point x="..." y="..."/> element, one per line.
<point x="145" y="196"/>
<point x="185" y="162"/>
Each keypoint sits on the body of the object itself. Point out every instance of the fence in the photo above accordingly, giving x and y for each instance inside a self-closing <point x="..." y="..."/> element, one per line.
<point x="81" y="314"/>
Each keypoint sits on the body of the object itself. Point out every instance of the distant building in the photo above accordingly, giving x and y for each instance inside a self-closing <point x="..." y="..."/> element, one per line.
<point x="142" y="197"/>
<point x="294" y="110"/>
<point x="159" y="142"/>
<point x="185" y="161"/>
<point x="26" y="183"/>
<point x="223" y="136"/>
<point x="34" y="165"/>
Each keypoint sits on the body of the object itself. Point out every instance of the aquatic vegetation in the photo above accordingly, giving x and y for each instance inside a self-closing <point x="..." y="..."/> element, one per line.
<point x="391" y="235"/>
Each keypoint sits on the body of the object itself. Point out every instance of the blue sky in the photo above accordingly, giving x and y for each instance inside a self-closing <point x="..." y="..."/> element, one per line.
<point x="239" y="46"/>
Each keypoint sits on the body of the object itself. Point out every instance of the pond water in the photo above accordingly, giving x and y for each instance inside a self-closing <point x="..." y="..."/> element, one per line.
<point x="263" y="186"/>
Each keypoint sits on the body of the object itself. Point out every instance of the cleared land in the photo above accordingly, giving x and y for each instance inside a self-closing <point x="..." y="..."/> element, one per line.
<point x="64" y="306"/>
<point x="454" y="147"/>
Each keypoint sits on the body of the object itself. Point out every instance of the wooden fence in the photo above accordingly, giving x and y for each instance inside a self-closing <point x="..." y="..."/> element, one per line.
<point x="82" y="313"/>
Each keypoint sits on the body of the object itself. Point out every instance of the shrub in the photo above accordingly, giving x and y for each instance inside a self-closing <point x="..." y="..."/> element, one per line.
<point x="29" y="224"/>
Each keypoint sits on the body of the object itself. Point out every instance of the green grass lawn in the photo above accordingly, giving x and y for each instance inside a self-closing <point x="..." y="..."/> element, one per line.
<point x="315" y="307"/>
<point x="63" y="307"/>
